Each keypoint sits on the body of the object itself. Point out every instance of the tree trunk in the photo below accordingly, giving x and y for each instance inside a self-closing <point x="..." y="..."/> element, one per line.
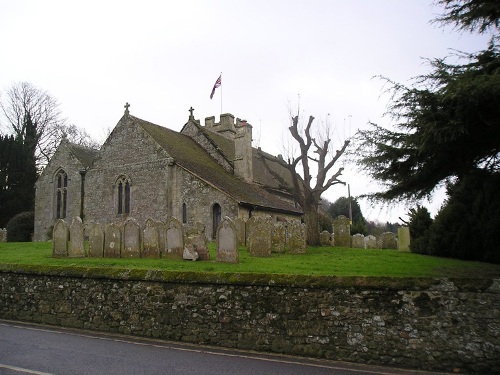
<point x="311" y="219"/>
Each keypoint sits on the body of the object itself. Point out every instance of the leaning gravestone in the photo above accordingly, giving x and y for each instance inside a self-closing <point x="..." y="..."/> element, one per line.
<point x="227" y="250"/>
<point x="174" y="238"/>
<point x="60" y="239"/>
<point x="297" y="240"/>
<point x="112" y="241"/>
<point x="358" y="241"/>
<point x="325" y="238"/>
<point x="151" y="240"/>
<point x="197" y="241"/>
<point x="77" y="240"/>
<point x="259" y="236"/>
<point x="131" y="239"/>
<point x="239" y="224"/>
<point x="388" y="241"/>
<point x="371" y="241"/>
<point x="342" y="231"/>
<point x="96" y="241"/>
<point x="404" y="239"/>
<point x="278" y="237"/>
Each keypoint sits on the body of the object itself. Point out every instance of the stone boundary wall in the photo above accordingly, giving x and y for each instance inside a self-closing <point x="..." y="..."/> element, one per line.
<point x="429" y="324"/>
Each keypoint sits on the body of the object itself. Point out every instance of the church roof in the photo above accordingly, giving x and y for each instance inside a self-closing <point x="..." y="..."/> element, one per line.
<point x="84" y="154"/>
<point x="190" y="156"/>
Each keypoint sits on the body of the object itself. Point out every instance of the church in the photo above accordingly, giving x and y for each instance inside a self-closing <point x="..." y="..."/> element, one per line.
<point x="198" y="175"/>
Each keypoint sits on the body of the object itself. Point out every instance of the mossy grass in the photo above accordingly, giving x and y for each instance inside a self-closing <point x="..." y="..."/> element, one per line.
<point x="318" y="261"/>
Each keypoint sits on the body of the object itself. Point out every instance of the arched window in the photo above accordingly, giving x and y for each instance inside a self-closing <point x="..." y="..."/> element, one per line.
<point x="61" y="194"/>
<point x="184" y="213"/>
<point x="123" y="195"/>
<point x="216" y="217"/>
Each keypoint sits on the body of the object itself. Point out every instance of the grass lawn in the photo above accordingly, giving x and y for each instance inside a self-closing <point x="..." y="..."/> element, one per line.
<point x="326" y="261"/>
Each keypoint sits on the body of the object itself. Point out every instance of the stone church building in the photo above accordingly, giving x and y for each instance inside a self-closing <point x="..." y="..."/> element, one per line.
<point x="143" y="170"/>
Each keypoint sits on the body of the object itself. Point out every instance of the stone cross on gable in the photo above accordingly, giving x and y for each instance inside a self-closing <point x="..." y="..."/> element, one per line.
<point x="126" y="108"/>
<point x="191" y="109"/>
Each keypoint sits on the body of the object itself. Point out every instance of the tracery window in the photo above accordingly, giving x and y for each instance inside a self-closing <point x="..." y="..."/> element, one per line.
<point x="61" y="194"/>
<point x="123" y="195"/>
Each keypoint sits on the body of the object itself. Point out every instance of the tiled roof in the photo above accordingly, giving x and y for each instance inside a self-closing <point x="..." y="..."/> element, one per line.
<point x="189" y="155"/>
<point x="84" y="154"/>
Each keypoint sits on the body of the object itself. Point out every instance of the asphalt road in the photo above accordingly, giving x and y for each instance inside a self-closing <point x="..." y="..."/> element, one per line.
<point x="41" y="350"/>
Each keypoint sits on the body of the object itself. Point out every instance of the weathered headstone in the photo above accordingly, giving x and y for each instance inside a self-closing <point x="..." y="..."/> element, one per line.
<point x="259" y="236"/>
<point x="227" y="250"/>
<point x="77" y="239"/>
<point x="150" y="240"/>
<point x="325" y="238"/>
<point x="96" y="241"/>
<point x="297" y="238"/>
<point x="162" y="238"/>
<point x="239" y="224"/>
<point x="358" y="241"/>
<point x="60" y="239"/>
<point x="175" y="238"/>
<point x="404" y="239"/>
<point x="3" y="235"/>
<point x="131" y="239"/>
<point x="388" y="241"/>
<point x="342" y="231"/>
<point x="197" y="241"/>
<point x="189" y="253"/>
<point x="112" y="241"/>
<point x="371" y="241"/>
<point x="278" y="237"/>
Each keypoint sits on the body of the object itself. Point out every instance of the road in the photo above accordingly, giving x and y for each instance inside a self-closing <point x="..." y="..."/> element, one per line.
<point x="42" y="350"/>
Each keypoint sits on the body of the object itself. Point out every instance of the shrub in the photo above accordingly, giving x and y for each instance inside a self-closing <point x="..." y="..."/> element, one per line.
<point x="20" y="228"/>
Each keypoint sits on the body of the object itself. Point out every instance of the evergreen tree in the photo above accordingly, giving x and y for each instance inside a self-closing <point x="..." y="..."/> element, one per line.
<point x="341" y="207"/>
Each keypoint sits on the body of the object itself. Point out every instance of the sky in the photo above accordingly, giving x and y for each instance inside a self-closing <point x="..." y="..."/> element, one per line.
<point x="314" y="57"/>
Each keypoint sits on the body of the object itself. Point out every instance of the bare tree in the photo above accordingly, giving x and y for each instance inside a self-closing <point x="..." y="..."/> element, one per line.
<point x="305" y="188"/>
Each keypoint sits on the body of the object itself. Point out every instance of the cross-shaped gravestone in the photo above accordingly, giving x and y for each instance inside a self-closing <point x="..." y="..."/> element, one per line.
<point x="126" y="108"/>
<point x="191" y="109"/>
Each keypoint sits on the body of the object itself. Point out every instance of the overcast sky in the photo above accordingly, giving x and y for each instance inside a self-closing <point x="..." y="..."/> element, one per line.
<point x="163" y="57"/>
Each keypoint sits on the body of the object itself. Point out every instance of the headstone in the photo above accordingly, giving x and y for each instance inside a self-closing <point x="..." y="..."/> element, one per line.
<point x="239" y="224"/>
<point x="151" y="240"/>
<point x="197" y="240"/>
<point x="325" y="238"/>
<point x="112" y="241"/>
<point x="278" y="237"/>
<point x="358" y="241"/>
<point x="297" y="238"/>
<point x="388" y="241"/>
<point x="162" y="238"/>
<point x="60" y="239"/>
<point x="3" y="235"/>
<point x="96" y="241"/>
<point x="227" y="250"/>
<point x="174" y="238"/>
<point x="77" y="239"/>
<point x="259" y="236"/>
<point x="404" y="239"/>
<point x="371" y="241"/>
<point x="190" y="253"/>
<point x="342" y="231"/>
<point x="131" y="239"/>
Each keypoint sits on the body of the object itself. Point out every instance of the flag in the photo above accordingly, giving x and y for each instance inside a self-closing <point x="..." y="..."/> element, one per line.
<point x="217" y="84"/>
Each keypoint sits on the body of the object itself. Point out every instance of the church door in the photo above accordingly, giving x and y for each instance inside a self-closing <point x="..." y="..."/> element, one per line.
<point x="216" y="217"/>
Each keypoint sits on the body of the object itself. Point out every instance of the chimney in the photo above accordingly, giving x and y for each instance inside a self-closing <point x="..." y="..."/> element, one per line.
<point x="243" y="155"/>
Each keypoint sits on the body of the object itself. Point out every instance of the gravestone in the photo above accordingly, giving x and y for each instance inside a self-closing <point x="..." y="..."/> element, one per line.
<point x="371" y="241"/>
<point x="197" y="241"/>
<point x="358" y="241"/>
<point x="239" y="224"/>
<point x="77" y="239"/>
<point x="3" y="235"/>
<point x="227" y="249"/>
<point x="174" y="238"/>
<point x="112" y="241"/>
<point x="96" y="241"/>
<point x="278" y="237"/>
<point x="259" y="236"/>
<point x="189" y="253"/>
<point x="297" y="239"/>
<point x="404" y="239"/>
<point x="60" y="239"/>
<point x="325" y="238"/>
<point x="151" y="240"/>
<point x="388" y="241"/>
<point x="131" y="239"/>
<point x="162" y="238"/>
<point x="342" y="231"/>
